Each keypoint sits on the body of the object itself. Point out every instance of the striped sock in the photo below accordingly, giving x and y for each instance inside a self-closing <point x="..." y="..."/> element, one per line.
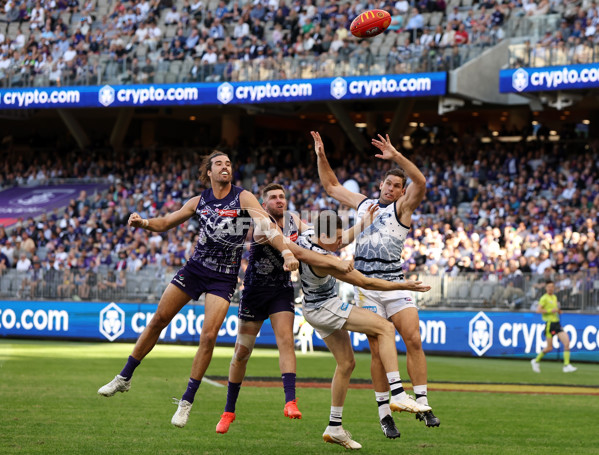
<point x="395" y="383"/>
<point x="421" y="394"/>
<point x="336" y="416"/>
<point x="382" y="400"/>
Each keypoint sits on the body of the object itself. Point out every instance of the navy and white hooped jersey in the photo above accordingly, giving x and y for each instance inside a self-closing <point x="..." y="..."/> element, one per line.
<point x="317" y="289"/>
<point x="265" y="267"/>
<point x="379" y="246"/>
<point x="223" y="228"/>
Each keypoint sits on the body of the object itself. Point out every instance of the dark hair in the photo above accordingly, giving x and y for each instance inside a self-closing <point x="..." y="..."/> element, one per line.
<point x="271" y="187"/>
<point x="398" y="173"/>
<point x="327" y="223"/>
<point x="207" y="166"/>
<point x="549" y="282"/>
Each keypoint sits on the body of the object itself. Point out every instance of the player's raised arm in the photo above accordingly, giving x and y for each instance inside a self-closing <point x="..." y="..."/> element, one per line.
<point x="329" y="179"/>
<point x="350" y="234"/>
<point x="164" y="223"/>
<point x="417" y="189"/>
<point x="375" y="284"/>
<point x="265" y="226"/>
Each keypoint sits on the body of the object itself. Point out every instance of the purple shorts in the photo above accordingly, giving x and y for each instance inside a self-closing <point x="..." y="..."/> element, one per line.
<point x="258" y="303"/>
<point x="195" y="280"/>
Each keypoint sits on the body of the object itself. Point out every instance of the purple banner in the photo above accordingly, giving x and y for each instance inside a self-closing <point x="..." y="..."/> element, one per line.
<point x="25" y="202"/>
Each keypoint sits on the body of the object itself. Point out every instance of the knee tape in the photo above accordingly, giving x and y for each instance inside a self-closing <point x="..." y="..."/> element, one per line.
<point x="246" y="341"/>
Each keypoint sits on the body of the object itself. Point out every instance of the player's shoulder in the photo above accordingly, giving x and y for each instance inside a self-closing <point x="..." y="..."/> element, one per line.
<point x="305" y="241"/>
<point x="366" y="202"/>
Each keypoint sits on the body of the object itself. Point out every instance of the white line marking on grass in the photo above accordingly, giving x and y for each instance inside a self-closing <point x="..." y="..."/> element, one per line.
<point x="211" y="382"/>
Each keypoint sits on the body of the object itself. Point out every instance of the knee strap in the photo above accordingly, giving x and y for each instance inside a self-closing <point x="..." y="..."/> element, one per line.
<point x="248" y="341"/>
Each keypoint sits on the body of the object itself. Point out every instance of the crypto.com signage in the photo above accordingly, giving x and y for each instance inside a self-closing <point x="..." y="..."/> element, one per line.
<point x="482" y="334"/>
<point x="186" y="94"/>
<point x="567" y="77"/>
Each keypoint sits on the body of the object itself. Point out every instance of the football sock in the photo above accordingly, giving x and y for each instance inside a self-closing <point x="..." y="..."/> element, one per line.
<point x="192" y="388"/>
<point x="336" y="415"/>
<point x="132" y="364"/>
<point x="382" y="400"/>
<point x="289" y="386"/>
<point x="395" y="383"/>
<point x="232" y="394"/>
<point x="421" y="391"/>
<point x="566" y="357"/>
<point x="539" y="356"/>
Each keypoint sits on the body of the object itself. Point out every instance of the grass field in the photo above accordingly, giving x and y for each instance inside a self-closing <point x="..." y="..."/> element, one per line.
<point x="49" y="405"/>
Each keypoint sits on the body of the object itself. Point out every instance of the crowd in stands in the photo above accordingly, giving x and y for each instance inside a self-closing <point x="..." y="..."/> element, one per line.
<point x="64" y="42"/>
<point x="500" y="210"/>
<point x="573" y="38"/>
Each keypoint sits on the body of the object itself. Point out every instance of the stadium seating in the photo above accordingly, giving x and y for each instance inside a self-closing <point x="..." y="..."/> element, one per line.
<point x="111" y="46"/>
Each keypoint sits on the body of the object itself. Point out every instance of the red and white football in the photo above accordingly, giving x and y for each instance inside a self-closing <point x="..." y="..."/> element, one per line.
<point x="370" y="23"/>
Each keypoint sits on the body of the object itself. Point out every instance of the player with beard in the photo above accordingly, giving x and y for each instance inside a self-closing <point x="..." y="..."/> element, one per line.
<point x="222" y="210"/>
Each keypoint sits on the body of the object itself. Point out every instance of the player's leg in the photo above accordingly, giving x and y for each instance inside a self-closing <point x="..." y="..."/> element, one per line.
<point x="407" y="323"/>
<point x="339" y="344"/>
<point x="171" y="302"/>
<point x="365" y="321"/>
<point x="381" y="390"/>
<point x="565" y="340"/>
<point x="282" y="315"/>
<point x="244" y="345"/>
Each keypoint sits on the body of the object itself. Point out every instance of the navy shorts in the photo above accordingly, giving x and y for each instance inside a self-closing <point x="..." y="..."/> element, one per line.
<point x="195" y="280"/>
<point x="258" y="303"/>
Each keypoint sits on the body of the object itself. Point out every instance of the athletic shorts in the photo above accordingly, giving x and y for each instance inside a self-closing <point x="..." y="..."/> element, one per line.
<point x="553" y="328"/>
<point x="329" y="317"/>
<point x="258" y="303"/>
<point x="384" y="303"/>
<point x="195" y="280"/>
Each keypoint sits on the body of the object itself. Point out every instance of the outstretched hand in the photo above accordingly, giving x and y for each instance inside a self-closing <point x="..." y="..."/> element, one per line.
<point x="135" y="220"/>
<point x="318" y="145"/>
<point x="388" y="152"/>
<point x="369" y="215"/>
<point x="416" y="286"/>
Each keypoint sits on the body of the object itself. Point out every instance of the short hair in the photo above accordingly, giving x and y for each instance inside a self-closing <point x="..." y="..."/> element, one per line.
<point x="271" y="187"/>
<point x="549" y="282"/>
<point x="207" y="166"/>
<point x="327" y="223"/>
<point x="398" y="173"/>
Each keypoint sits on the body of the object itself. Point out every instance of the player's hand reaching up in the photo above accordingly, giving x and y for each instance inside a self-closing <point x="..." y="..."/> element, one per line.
<point x="388" y="152"/>
<point x="318" y="145"/>
<point x="291" y="263"/>
<point x="369" y="215"/>
<point x="416" y="286"/>
<point x="135" y="220"/>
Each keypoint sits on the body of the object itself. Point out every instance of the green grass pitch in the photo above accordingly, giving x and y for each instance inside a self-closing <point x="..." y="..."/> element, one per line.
<point x="49" y="405"/>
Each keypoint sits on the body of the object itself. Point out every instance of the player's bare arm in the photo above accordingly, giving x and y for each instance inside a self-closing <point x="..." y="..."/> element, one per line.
<point x="164" y="223"/>
<point x="416" y="190"/>
<point x="302" y="227"/>
<point x="266" y="227"/>
<point x="329" y="179"/>
<point x="350" y="234"/>
<point x="318" y="260"/>
<point x="358" y="279"/>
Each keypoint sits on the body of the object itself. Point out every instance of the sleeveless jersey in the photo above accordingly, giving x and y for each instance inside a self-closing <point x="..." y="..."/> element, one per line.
<point x="265" y="267"/>
<point x="317" y="289"/>
<point x="223" y="228"/>
<point x="379" y="246"/>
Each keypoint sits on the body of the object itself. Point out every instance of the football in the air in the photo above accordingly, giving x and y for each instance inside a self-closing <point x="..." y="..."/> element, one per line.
<point x="370" y="23"/>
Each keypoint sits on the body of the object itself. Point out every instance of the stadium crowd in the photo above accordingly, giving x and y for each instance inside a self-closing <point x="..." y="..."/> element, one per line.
<point x="69" y="42"/>
<point x="499" y="210"/>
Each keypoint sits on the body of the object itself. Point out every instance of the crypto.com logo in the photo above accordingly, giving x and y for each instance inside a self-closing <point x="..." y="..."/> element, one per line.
<point x="106" y="96"/>
<point x="112" y="322"/>
<point x="338" y="88"/>
<point x="224" y="93"/>
<point x="520" y="79"/>
<point x="480" y="334"/>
